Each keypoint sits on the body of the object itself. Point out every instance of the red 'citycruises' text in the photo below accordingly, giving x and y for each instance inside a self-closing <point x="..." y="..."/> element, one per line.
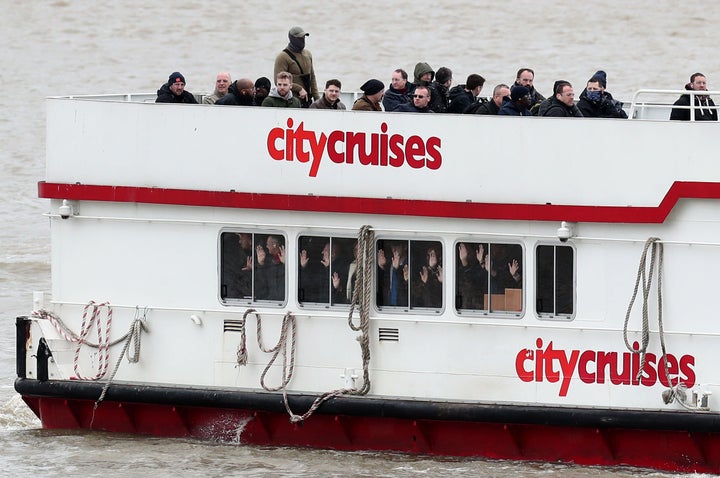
<point x="368" y="149"/>
<point x="558" y="365"/>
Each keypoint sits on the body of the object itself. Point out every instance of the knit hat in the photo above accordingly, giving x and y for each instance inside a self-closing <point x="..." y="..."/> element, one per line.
<point x="263" y="82"/>
<point x="518" y="91"/>
<point x="298" y="32"/>
<point x="602" y="76"/>
<point x="370" y="87"/>
<point x="176" y="77"/>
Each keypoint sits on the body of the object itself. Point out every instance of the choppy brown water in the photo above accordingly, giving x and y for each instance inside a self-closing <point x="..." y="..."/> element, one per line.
<point x="87" y="47"/>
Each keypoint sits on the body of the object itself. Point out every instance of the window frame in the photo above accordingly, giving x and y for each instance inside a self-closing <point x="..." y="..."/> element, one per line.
<point x="489" y="313"/>
<point x="319" y="305"/>
<point x="244" y="301"/>
<point x="409" y="308"/>
<point x="554" y="316"/>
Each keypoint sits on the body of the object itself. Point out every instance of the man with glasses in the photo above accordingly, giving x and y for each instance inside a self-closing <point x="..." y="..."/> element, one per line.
<point x="704" y="105"/>
<point x="421" y="100"/>
<point x="222" y="83"/>
<point x="330" y="99"/>
<point x="562" y="104"/>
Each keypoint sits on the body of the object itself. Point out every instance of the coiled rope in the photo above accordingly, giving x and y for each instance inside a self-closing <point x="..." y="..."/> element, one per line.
<point x="645" y="274"/>
<point x="361" y="296"/>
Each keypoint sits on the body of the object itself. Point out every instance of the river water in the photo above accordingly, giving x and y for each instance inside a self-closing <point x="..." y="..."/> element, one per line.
<point x="89" y="47"/>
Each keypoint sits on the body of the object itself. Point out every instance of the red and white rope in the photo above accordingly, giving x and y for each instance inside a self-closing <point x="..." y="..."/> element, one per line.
<point x="103" y="339"/>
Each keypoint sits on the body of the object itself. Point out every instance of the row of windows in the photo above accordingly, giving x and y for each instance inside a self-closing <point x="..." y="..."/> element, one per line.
<point x="409" y="274"/>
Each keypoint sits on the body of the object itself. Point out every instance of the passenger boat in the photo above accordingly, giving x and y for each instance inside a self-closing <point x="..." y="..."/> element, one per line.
<point x="512" y="288"/>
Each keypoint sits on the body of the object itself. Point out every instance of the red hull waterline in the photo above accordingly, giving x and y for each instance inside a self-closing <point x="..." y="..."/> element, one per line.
<point x="672" y="450"/>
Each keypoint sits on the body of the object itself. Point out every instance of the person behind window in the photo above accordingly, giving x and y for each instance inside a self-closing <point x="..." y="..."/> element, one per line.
<point x="270" y="270"/>
<point x="393" y="275"/>
<point x="428" y="289"/>
<point x="472" y="277"/>
<point x="236" y="265"/>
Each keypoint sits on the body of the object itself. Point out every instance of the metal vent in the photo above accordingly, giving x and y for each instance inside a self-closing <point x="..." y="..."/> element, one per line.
<point x="233" y="325"/>
<point x="389" y="335"/>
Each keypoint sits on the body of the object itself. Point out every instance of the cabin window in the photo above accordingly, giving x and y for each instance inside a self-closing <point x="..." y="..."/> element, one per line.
<point x="326" y="270"/>
<point x="409" y="274"/>
<point x="488" y="277"/>
<point x="555" y="282"/>
<point x="252" y="267"/>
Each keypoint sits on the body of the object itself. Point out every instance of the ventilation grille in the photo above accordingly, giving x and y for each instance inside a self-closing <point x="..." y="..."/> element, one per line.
<point x="389" y="335"/>
<point x="233" y="326"/>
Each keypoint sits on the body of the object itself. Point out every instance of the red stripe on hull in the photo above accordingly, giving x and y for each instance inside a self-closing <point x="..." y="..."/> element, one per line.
<point x="402" y="207"/>
<point x="677" y="451"/>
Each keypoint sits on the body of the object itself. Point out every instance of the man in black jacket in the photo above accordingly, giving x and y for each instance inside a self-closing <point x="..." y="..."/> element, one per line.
<point x="704" y="105"/>
<point x="595" y="102"/>
<point x="240" y="93"/>
<point x="562" y="104"/>
<point x="174" y="91"/>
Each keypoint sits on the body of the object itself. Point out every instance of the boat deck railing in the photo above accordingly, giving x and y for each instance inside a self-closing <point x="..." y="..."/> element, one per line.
<point x="657" y="104"/>
<point x="646" y="104"/>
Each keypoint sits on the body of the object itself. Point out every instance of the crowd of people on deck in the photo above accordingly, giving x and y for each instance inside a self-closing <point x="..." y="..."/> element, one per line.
<point x="429" y="91"/>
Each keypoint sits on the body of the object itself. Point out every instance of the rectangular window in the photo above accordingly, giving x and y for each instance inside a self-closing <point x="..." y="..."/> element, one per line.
<point x="252" y="267"/>
<point x="327" y="269"/>
<point x="409" y="273"/>
<point x="488" y="277"/>
<point x="555" y="281"/>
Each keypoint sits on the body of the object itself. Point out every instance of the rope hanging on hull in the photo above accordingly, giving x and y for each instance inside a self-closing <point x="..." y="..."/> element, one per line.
<point x="645" y="275"/>
<point x="361" y="296"/>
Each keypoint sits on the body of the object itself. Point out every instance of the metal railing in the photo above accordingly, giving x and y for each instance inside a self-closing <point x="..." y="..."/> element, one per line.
<point x="658" y="104"/>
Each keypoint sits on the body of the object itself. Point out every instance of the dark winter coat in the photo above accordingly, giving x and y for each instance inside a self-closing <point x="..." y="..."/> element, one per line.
<point x="164" y="95"/>
<point x="605" y="107"/>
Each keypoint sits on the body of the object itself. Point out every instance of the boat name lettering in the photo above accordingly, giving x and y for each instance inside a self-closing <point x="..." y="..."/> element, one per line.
<point x="368" y="149"/>
<point x="597" y="366"/>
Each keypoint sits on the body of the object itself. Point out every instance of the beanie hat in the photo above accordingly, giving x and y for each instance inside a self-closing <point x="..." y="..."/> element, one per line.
<point x="518" y="92"/>
<point x="602" y="76"/>
<point x="263" y="82"/>
<point x="176" y="77"/>
<point x="443" y="74"/>
<point x="370" y="87"/>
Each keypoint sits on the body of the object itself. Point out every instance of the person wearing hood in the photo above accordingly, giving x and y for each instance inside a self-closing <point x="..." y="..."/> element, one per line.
<point x="222" y="83"/>
<point x="519" y="102"/>
<point x="463" y="96"/>
<point x="240" y="93"/>
<point x="174" y="91"/>
<point x="562" y="105"/>
<point x="281" y="94"/>
<point x="440" y="88"/>
<point x="526" y="77"/>
<point x="373" y="91"/>
<point x="297" y="59"/>
<point x="596" y="102"/>
<point x="704" y="105"/>
<point x="400" y="90"/>
<point x="423" y="74"/>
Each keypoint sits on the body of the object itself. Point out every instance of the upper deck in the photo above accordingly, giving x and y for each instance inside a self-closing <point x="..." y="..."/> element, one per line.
<point x="125" y="148"/>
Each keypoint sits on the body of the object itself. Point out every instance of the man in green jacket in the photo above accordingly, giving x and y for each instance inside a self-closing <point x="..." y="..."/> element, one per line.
<point x="297" y="59"/>
<point x="281" y="95"/>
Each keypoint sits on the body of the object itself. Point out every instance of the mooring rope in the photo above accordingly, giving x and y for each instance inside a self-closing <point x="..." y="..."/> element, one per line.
<point x="362" y="296"/>
<point x="644" y="276"/>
